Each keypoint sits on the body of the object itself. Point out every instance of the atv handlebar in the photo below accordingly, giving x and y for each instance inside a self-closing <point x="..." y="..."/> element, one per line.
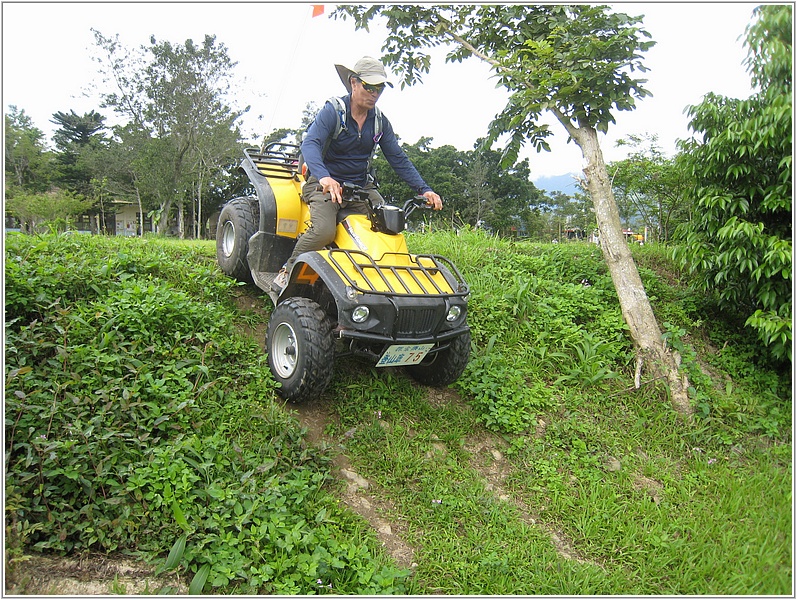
<point x="356" y="193"/>
<point x="416" y="202"/>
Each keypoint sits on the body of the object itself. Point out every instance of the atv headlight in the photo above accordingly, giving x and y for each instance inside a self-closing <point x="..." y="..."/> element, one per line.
<point x="454" y="313"/>
<point x="360" y="314"/>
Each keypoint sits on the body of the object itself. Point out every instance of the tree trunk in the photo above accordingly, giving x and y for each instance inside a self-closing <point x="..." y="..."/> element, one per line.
<point x="181" y="220"/>
<point x="634" y="303"/>
<point x="140" y="211"/>
<point x="163" y="217"/>
<point x="198" y="218"/>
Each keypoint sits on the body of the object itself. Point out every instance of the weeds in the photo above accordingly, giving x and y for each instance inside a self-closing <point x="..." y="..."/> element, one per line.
<point x="139" y="420"/>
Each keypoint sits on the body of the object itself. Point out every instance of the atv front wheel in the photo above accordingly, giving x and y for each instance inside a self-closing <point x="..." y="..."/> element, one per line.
<point x="300" y="349"/>
<point x="238" y="221"/>
<point x="445" y="366"/>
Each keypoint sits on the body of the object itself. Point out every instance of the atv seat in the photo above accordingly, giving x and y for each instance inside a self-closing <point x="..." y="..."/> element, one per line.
<point x="345" y="212"/>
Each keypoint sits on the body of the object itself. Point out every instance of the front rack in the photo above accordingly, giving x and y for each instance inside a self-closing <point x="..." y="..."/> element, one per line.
<point x="396" y="278"/>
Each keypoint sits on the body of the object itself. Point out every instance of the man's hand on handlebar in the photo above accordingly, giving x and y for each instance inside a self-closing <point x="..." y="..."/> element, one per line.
<point x="433" y="200"/>
<point x="331" y="187"/>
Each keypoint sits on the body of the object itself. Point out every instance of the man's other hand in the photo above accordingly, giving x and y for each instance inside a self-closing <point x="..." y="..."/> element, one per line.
<point x="433" y="200"/>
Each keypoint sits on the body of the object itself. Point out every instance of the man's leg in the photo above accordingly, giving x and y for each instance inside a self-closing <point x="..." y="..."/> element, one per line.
<point x="323" y="214"/>
<point x="321" y="232"/>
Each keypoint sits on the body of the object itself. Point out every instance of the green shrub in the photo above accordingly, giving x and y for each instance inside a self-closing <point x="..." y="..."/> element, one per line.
<point x="138" y="420"/>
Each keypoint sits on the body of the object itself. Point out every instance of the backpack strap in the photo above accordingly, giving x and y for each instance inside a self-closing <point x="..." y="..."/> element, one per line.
<point x="377" y="136"/>
<point x="340" y="108"/>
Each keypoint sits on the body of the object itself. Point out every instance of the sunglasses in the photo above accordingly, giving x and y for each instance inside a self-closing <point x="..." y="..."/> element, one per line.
<point x="379" y="88"/>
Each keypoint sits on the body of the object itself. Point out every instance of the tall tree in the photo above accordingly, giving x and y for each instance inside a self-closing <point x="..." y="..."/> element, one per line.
<point x="76" y="129"/>
<point x="177" y="95"/>
<point x="576" y="62"/>
<point x="739" y="242"/>
<point x="27" y="160"/>
<point x="76" y="136"/>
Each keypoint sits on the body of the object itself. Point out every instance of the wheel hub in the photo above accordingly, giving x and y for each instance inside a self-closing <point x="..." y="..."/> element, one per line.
<point x="228" y="238"/>
<point x="283" y="350"/>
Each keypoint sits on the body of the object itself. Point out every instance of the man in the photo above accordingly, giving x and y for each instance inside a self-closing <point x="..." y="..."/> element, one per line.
<point x="333" y="161"/>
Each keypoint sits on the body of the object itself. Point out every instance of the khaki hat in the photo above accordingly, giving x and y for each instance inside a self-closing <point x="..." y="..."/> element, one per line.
<point x="368" y="69"/>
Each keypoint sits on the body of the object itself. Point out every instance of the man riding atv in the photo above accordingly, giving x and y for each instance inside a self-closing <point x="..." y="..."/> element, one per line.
<point x="338" y="148"/>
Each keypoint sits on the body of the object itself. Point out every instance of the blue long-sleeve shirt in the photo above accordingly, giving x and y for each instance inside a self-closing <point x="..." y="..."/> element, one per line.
<point x="347" y="157"/>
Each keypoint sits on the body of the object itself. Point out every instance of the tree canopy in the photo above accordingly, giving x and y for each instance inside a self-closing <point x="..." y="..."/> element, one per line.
<point x="27" y="161"/>
<point x="180" y="130"/>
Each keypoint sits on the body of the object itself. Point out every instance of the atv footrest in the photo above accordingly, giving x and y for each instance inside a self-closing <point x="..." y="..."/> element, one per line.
<point x="422" y="275"/>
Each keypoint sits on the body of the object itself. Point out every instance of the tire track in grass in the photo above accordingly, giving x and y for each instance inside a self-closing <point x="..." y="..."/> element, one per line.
<point x="487" y="459"/>
<point x="314" y="416"/>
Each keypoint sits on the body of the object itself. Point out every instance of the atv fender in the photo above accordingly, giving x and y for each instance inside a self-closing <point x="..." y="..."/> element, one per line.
<point x="307" y="270"/>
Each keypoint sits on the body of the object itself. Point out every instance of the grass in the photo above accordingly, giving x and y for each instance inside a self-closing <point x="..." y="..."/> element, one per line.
<point x="544" y="475"/>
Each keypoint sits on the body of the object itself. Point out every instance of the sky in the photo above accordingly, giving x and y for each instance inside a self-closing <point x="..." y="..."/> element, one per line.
<point x="286" y="59"/>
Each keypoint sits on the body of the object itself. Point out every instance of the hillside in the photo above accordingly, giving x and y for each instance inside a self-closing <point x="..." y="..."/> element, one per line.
<point x="142" y="421"/>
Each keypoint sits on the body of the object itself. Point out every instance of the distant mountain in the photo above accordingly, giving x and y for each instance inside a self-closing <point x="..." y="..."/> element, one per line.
<point x="558" y="183"/>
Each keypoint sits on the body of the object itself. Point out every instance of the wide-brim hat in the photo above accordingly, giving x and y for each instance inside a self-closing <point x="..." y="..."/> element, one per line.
<point x="367" y="69"/>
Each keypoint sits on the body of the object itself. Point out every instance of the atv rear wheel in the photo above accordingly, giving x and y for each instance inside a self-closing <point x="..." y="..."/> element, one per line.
<point x="238" y="221"/>
<point x="444" y="367"/>
<point x="300" y="349"/>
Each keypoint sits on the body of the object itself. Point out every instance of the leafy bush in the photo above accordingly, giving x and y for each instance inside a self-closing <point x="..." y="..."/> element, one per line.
<point x="549" y="313"/>
<point x="502" y="394"/>
<point x="137" y="420"/>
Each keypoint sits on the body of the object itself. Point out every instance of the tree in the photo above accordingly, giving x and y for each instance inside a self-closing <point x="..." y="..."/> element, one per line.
<point x="651" y="185"/>
<point x="472" y="184"/>
<point x="54" y="208"/>
<point x="576" y="62"/>
<point x="76" y="129"/>
<point x="76" y="136"/>
<point x="174" y="98"/>
<point x="442" y="168"/>
<point x="27" y="160"/>
<point x="738" y="243"/>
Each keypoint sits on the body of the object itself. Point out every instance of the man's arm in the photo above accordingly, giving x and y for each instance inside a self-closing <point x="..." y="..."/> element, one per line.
<point x="316" y="137"/>
<point x="312" y="149"/>
<point x="402" y="165"/>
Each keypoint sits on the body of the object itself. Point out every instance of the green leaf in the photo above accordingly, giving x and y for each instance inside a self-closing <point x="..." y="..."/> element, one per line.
<point x="176" y="554"/>
<point x="199" y="580"/>
<point x="179" y="516"/>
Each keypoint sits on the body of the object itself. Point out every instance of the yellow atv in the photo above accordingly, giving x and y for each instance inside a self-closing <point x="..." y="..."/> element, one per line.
<point x="364" y="295"/>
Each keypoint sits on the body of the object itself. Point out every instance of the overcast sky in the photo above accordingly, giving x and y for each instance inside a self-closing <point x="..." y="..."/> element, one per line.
<point x="286" y="58"/>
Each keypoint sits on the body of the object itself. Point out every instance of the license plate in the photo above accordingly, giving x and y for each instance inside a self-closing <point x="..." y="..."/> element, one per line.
<point x="404" y="354"/>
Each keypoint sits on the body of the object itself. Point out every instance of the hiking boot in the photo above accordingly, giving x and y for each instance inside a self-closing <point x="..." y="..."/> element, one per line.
<point x="280" y="281"/>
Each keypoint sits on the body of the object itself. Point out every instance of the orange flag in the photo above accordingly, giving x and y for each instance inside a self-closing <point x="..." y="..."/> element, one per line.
<point x="318" y="9"/>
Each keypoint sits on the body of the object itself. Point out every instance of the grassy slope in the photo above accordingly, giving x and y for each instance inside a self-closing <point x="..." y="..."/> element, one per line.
<point x="545" y="476"/>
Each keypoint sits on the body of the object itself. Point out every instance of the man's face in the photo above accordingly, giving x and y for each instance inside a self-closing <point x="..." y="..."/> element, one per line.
<point x="364" y="94"/>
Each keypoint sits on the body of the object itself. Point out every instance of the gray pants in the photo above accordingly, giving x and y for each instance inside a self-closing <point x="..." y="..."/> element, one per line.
<point x="323" y="217"/>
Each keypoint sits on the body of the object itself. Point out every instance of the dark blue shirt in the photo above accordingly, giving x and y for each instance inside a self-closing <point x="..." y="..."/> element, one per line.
<point x="347" y="157"/>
